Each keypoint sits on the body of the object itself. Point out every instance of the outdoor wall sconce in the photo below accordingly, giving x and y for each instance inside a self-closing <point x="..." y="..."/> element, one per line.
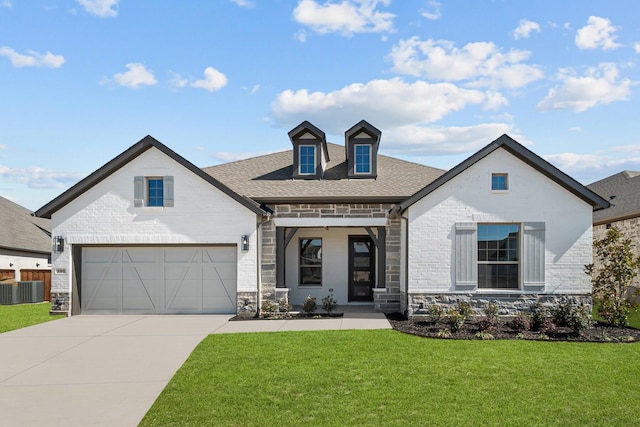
<point x="58" y="244"/>
<point x="10" y="264"/>
<point x="244" y="243"/>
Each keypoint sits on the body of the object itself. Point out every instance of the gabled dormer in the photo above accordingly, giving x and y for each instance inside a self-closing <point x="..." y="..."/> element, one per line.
<point x="310" y="153"/>
<point x="361" y="145"/>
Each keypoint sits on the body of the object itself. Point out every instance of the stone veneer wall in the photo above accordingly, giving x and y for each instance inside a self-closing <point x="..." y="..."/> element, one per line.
<point x="346" y="210"/>
<point x="508" y="305"/>
<point x="631" y="229"/>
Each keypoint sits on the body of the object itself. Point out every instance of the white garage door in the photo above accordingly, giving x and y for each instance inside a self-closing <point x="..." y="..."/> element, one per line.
<point x="158" y="280"/>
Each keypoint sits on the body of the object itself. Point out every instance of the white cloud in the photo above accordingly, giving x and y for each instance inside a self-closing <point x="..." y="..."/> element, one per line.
<point x="434" y="11"/>
<point x="600" y="85"/>
<point x="598" y="33"/>
<point x="3" y="147"/>
<point x="101" y="8"/>
<point x="6" y="3"/>
<point x="575" y="129"/>
<point x="33" y="59"/>
<point x="525" y="28"/>
<point x="479" y="63"/>
<point x="388" y="103"/>
<point x="136" y="76"/>
<point x="636" y="47"/>
<point x="301" y="36"/>
<point x="37" y="177"/>
<point x="177" y="80"/>
<point x="414" y="140"/>
<point x="244" y="3"/>
<point x="213" y="80"/>
<point x="347" y="17"/>
<point x="591" y="167"/>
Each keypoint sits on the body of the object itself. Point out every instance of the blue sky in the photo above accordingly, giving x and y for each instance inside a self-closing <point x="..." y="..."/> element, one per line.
<point x="221" y="80"/>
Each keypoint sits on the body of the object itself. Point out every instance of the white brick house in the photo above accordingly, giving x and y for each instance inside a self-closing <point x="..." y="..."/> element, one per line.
<point x="151" y="233"/>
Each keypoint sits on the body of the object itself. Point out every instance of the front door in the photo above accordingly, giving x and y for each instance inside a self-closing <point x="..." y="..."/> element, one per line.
<point x="361" y="268"/>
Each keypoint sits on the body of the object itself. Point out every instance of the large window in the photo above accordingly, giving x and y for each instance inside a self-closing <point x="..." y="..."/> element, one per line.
<point x="363" y="158"/>
<point x="155" y="192"/>
<point x="307" y="164"/>
<point x="311" y="262"/>
<point x="498" y="256"/>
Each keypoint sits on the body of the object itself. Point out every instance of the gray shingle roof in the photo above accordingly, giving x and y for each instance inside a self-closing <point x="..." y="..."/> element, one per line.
<point x="21" y="230"/>
<point x="267" y="179"/>
<point x="623" y="192"/>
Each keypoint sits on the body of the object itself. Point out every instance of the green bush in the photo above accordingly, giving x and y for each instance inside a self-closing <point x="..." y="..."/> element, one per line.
<point x="268" y="306"/>
<point x="491" y="310"/>
<point x="520" y="323"/>
<point x="579" y="319"/>
<point x="464" y="307"/>
<point x="329" y="303"/>
<point x="539" y="314"/>
<point x="562" y="312"/>
<point x="309" y="304"/>
<point x="435" y="312"/>
<point x="455" y="319"/>
<point x="284" y="306"/>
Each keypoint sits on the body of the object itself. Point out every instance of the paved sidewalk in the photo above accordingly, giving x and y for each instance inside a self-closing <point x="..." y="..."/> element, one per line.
<point x="108" y="370"/>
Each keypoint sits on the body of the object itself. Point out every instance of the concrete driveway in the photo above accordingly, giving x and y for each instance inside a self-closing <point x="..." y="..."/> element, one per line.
<point x="108" y="370"/>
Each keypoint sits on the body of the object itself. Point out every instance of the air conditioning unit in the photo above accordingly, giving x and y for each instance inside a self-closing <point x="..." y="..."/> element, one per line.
<point x="31" y="291"/>
<point x="8" y="294"/>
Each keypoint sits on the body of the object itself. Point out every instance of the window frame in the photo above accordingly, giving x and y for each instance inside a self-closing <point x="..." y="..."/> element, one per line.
<point x="156" y="200"/>
<point x="480" y="261"/>
<point x="498" y="175"/>
<point x="356" y="162"/>
<point x="304" y="265"/>
<point x="306" y="164"/>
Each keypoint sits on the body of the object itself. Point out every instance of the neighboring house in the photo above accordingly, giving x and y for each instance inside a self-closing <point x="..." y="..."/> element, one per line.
<point x="149" y="232"/>
<point x="25" y="245"/>
<point x="622" y="190"/>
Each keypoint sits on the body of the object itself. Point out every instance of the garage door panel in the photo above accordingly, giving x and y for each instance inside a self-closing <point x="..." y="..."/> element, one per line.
<point x="159" y="280"/>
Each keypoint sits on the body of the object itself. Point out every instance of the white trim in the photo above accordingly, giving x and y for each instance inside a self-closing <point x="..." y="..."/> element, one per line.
<point x="330" y="222"/>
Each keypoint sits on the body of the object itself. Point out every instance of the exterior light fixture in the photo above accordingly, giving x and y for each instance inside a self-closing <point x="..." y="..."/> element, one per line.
<point x="244" y="243"/>
<point x="58" y="244"/>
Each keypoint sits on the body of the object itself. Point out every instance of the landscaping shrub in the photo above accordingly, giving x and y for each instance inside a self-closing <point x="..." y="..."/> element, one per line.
<point x="520" y="323"/>
<point x="491" y="310"/>
<point x="579" y="319"/>
<point x="464" y="308"/>
<point x="435" y="312"/>
<point x="284" y="306"/>
<point x="539" y="315"/>
<point x="329" y="303"/>
<point x="268" y="306"/>
<point x="562" y="312"/>
<point x="309" y="304"/>
<point x="455" y="319"/>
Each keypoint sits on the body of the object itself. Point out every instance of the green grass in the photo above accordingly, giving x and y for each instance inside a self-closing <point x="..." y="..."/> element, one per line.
<point x="23" y="315"/>
<point x="383" y="377"/>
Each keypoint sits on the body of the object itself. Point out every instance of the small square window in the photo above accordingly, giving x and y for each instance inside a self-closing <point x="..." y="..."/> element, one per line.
<point x="307" y="164"/>
<point x="499" y="182"/>
<point x="155" y="193"/>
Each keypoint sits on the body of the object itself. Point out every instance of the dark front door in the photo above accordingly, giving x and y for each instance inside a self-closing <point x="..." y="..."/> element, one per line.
<point x="361" y="268"/>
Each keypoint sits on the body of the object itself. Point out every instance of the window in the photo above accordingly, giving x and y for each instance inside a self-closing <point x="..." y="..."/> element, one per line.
<point x="311" y="262"/>
<point x="363" y="158"/>
<point x="155" y="191"/>
<point x="499" y="182"/>
<point x="307" y="164"/>
<point x="498" y="256"/>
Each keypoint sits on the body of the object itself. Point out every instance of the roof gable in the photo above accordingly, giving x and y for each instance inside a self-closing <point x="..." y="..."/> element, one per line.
<point x="519" y="151"/>
<point x="124" y="158"/>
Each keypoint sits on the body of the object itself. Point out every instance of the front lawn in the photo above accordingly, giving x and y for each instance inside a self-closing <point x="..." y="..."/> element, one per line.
<point x="384" y="377"/>
<point x="23" y="315"/>
<point x="633" y="318"/>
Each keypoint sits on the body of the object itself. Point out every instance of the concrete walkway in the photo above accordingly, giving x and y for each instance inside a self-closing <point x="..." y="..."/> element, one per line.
<point x="108" y="370"/>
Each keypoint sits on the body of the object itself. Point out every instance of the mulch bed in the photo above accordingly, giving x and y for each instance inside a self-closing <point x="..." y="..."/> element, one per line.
<point x="287" y="316"/>
<point x="599" y="332"/>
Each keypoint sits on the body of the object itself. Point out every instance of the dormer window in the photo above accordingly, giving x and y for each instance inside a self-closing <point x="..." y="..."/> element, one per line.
<point x="363" y="158"/>
<point x="361" y="145"/>
<point x="310" y="153"/>
<point x="307" y="161"/>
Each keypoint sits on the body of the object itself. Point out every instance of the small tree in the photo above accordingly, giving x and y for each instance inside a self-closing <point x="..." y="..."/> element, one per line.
<point x="611" y="279"/>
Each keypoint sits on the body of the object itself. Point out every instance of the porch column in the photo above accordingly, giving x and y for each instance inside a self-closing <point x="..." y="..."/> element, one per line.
<point x="382" y="256"/>
<point x="280" y="257"/>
